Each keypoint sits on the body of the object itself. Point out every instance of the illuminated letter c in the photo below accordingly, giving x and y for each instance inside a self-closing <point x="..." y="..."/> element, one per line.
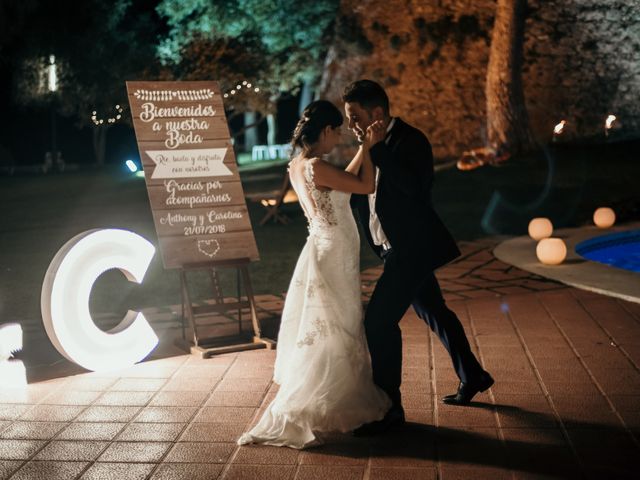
<point x="65" y="300"/>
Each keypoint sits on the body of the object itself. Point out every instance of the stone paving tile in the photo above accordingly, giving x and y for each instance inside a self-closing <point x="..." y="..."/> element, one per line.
<point x="213" y="432"/>
<point x="251" y="371"/>
<point x="71" y="397"/>
<point x="7" y="467"/>
<point x="202" y="370"/>
<point x="90" y="431"/>
<point x="201" y="384"/>
<point x="244" y="385"/>
<point x="19" y="449"/>
<point x="402" y="473"/>
<point x="138" y="384"/>
<point x="32" y="430"/>
<point x="187" y="471"/>
<point x="416" y="401"/>
<point x="150" y="370"/>
<point x="165" y="414"/>
<point x="118" y="471"/>
<point x="514" y="417"/>
<point x="178" y="399"/>
<point x="101" y="413"/>
<point x="454" y="417"/>
<point x="262" y="472"/>
<point x="13" y="411"/>
<point x="418" y="415"/>
<point x="257" y="455"/>
<point x="89" y="383"/>
<point x="537" y="436"/>
<point x="235" y="399"/>
<point x="456" y="472"/>
<point x="225" y="414"/>
<point x="200" y="452"/>
<point x="151" y="432"/>
<point x="558" y="462"/>
<point x="64" y="450"/>
<point x="323" y="472"/>
<point x="50" y="470"/>
<point x="135" y="452"/>
<point x="124" y="398"/>
<point x="340" y="452"/>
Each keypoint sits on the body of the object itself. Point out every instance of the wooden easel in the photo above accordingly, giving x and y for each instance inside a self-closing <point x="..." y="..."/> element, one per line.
<point x="207" y="347"/>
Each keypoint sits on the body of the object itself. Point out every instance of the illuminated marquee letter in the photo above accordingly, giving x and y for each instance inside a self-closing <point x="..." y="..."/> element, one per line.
<point x="65" y="300"/>
<point x="12" y="372"/>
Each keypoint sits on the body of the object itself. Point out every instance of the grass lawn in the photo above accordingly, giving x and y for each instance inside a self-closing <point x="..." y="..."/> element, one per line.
<point x="40" y="213"/>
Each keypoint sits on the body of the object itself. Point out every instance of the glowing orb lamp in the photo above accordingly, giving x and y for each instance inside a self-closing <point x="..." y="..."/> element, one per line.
<point x="65" y="300"/>
<point x="551" y="251"/>
<point x="540" y="228"/>
<point x="604" y="217"/>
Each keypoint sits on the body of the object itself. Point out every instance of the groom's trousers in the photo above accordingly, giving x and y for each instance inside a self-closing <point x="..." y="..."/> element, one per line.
<point x="404" y="283"/>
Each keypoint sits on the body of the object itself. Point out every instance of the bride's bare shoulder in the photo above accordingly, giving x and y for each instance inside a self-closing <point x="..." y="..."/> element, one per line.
<point x="308" y="168"/>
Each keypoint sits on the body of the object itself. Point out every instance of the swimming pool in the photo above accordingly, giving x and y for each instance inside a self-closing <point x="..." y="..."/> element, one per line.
<point x="620" y="250"/>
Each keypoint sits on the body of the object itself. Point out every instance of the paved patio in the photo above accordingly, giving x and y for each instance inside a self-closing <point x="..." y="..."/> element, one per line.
<point x="566" y="403"/>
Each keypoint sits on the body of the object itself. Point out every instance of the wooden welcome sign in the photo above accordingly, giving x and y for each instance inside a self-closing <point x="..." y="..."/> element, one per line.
<point x="192" y="178"/>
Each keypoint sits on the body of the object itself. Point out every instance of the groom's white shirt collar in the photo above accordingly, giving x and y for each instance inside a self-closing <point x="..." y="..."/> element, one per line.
<point x="378" y="235"/>
<point x="389" y="127"/>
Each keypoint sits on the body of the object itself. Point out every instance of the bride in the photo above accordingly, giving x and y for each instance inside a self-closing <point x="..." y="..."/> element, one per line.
<point x="322" y="363"/>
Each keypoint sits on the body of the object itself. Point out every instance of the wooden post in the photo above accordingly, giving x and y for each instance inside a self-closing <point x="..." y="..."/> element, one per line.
<point x="207" y="347"/>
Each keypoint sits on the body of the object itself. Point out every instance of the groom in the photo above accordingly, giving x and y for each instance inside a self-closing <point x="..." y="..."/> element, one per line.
<point x="405" y="231"/>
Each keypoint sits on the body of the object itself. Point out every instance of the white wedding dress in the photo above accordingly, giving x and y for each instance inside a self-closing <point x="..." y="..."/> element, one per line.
<point x="322" y="363"/>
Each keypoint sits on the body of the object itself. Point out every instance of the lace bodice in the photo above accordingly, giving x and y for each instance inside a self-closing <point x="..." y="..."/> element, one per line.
<point x="324" y="209"/>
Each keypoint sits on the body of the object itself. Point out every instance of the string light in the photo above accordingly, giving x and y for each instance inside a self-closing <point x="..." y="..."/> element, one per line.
<point x="609" y="121"/>
<point x="111" y="120"/>
<point x="559" y="128"/>
<point x="238" y="89"/>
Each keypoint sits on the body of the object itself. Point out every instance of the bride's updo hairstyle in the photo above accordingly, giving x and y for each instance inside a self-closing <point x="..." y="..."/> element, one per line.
<point x="315" y="118"/>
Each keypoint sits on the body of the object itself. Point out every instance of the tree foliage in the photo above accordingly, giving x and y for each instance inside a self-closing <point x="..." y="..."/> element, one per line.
<point x="102" y="45"/>
<point x="284" y="41"/>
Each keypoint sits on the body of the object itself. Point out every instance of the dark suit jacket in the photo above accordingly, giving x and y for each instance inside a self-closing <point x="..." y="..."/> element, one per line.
<point x="403" y="200"/>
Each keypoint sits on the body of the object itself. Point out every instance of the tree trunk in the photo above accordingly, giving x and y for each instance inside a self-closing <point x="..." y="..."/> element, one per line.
<point x="271" y="129"/>
<point x="251" y="134"/>
<point x="507" y="120"/>
<point x="306" y="95"/>
<point x="100" y="144"/>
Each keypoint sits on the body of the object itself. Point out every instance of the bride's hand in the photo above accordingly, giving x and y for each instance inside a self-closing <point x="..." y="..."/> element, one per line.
<point x="375" y="133"/>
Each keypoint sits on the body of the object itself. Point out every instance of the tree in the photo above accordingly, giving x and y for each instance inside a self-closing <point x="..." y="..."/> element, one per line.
<point x="287" y="38"/>
<point x="104" y="44"/>
<point x="232" y="61"/>
<point x="507" y="120"/>
<point x="13" y="16"/>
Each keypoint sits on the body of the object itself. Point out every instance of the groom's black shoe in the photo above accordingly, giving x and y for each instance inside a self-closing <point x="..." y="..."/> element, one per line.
<point x="466" y="391"/>
<point x="393" y="418"/>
